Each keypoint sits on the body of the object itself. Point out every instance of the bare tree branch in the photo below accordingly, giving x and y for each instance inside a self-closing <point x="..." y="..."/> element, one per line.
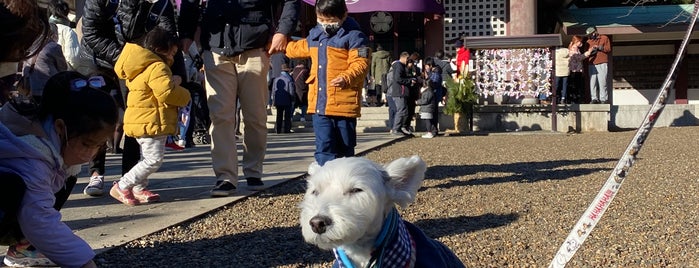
<point x="637" y="3"/>
<point x="683" y="15"/>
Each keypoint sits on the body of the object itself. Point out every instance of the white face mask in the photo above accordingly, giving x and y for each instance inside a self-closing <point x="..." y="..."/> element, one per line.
<point x="330" y="28"/>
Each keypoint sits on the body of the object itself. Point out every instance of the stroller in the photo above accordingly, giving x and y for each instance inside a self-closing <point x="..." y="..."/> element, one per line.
<point x="198" y="125"/>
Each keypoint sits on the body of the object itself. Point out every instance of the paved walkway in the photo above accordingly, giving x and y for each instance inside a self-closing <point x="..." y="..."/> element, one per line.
<point x="184" y="182"/>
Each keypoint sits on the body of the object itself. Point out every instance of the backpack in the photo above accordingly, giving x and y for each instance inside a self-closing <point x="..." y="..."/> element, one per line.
<point x="134" y="18"/>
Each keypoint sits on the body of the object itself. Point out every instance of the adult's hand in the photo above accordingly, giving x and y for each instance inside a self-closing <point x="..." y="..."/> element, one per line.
<point x="278" y="44"/>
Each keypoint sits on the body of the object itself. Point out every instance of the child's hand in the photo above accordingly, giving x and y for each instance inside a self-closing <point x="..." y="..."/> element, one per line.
<point x="338" y="82"/>
<point x="177" y="80"/>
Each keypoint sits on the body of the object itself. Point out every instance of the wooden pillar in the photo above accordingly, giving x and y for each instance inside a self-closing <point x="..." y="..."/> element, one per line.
<point x="522" y="17"/>
<point x="433" y="34"/>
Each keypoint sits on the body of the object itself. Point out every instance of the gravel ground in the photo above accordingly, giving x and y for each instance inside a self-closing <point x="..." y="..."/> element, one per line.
<point x="495" y="200"/>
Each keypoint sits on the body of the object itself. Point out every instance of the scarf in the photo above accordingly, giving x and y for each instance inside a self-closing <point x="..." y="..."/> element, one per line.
<point x="394" y="247"/>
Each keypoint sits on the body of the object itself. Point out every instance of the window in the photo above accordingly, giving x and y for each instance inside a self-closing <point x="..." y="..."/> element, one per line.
<point x="474" y="18"/>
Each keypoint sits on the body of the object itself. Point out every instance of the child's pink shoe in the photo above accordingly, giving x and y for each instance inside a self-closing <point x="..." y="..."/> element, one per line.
<point x="124" y="196"/>
<point x="145" y="196"/>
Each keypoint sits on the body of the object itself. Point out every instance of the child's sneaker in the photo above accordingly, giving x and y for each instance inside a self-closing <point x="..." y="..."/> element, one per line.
<point x="24" y="254"/>
<point x="124" y="196"/>
<point x="181" y="143"/>
<point x="428" y="135"/>
<point x="95" y="187"/>
<point x="145" y="196"/>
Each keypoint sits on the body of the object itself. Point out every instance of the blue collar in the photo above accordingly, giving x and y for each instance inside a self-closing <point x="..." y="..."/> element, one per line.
<point x="394" y="247"/>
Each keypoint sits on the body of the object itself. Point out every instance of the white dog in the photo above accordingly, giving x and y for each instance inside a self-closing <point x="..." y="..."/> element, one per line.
<point x="349" y="207"/>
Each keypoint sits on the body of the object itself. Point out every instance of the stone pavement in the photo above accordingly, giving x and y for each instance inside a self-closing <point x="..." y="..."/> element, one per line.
<point x="183" y="183"/>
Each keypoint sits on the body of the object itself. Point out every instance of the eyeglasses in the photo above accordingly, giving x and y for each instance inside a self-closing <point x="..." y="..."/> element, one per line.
<point x="96" y="82"/>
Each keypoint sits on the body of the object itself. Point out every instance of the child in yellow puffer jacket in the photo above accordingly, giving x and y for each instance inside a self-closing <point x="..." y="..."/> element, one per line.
<point x="151" y="109"/>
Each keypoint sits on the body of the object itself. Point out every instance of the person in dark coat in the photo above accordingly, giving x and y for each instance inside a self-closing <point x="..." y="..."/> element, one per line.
<point x="300" y="74"/>
<point x="99" y="50"/>
<point x="428" y="108"/>
<point x="283" y="99"/>
<point x="400" y="92"/>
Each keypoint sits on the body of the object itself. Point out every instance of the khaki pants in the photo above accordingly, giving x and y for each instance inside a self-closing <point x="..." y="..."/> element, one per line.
<point x="227" y="78"/>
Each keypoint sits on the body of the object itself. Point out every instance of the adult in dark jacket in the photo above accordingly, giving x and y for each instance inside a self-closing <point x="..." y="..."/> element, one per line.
<point x="283" y="98"/>
<point x="300" y="75"/>
<point x="235" y="37"/>
<point x="414" y="73"/>
<point x="100" y="42"/>
<point x="443" y="64"/>
<point x="399" y="91"/>
<point x="99" y="49"/>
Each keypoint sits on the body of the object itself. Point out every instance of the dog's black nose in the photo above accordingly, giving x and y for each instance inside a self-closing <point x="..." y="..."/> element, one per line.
<point x="320" y="223"/>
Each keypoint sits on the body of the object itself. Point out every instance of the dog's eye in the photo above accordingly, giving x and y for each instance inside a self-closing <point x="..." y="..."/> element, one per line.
<point x="314" y="192"/>
<point x="355" y="190"/>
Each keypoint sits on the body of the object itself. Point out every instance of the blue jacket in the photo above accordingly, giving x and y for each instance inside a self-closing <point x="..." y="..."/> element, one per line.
<point x="430" y="252"/>
<point x="283" y="90"/>
<point x="31" y="149"/>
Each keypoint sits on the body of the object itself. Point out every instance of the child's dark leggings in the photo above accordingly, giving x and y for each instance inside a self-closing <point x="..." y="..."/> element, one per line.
<point x="12" y="190"/>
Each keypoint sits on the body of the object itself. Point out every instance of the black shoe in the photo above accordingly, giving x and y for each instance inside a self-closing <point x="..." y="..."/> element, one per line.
<point x="223" y="188"/>
<point x="255" y="184"/>
<point x="400" y="133"/>
<point x="594" y="102"/>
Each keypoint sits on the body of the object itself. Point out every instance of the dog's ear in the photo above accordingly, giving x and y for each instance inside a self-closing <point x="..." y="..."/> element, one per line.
<point x="313" y="167"/>
<point x="406" y="177"/>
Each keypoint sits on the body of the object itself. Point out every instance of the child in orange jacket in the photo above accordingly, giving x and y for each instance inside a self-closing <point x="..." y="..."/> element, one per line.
<point x="340" y="56"/>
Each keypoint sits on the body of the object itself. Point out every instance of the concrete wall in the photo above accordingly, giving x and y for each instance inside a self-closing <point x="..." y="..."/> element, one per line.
<point x="578" y="118"/>
<point x="503" y="118"/>
<point x="631" y="116"/>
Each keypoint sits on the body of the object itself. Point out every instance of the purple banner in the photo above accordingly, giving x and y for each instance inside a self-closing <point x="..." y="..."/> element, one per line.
<point x="360" y="6"/>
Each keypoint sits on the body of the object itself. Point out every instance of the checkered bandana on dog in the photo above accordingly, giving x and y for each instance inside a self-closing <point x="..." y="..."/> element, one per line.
<point x="393" y="248"/>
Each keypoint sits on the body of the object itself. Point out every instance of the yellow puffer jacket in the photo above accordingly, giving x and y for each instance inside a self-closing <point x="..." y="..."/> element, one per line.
<point x="151" y="107"/>
<point x="344" y="54"/>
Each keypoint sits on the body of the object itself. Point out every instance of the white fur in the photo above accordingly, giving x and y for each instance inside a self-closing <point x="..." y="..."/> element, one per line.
<point x="356" y="194"/>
